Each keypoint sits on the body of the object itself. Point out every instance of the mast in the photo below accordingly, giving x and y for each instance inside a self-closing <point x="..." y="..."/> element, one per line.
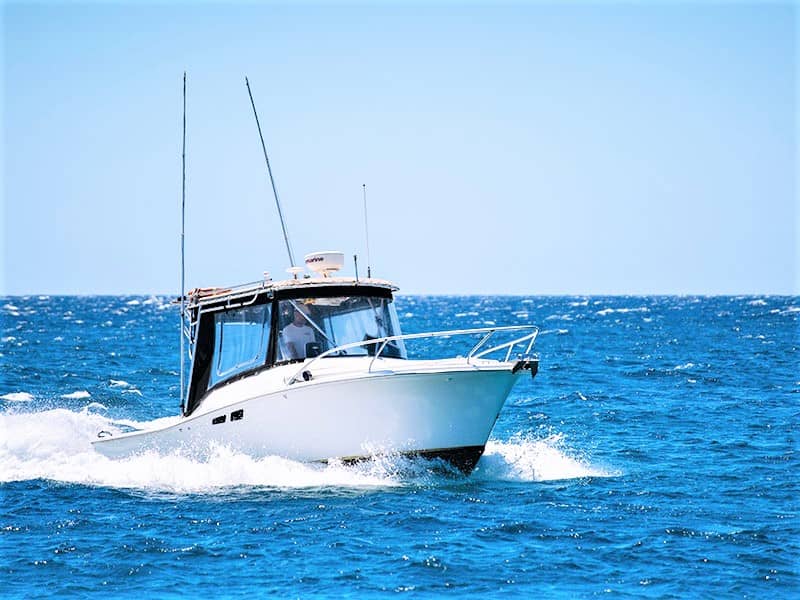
<point x="271" y="180"/>
<point x="183" y="231"/>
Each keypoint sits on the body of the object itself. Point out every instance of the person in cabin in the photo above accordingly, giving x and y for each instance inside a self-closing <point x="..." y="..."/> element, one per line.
<point x="298" y="333"/>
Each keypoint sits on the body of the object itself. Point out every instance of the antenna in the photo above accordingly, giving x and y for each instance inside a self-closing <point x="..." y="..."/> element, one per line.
<point x="366" y="230"/>
<point x="183" y="231"/>
<point x="272" y="181"/>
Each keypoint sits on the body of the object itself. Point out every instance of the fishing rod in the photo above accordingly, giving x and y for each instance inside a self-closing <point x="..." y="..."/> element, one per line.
<point x="271" y="179"/>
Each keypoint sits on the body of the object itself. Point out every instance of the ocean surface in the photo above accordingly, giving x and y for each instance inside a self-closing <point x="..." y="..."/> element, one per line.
<point x="654" y="455"/>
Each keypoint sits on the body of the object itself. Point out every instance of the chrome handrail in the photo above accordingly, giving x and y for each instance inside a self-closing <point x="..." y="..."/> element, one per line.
<point x="473" y="353"/>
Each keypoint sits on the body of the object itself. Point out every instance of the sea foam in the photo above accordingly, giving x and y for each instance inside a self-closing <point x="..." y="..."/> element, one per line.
<point x="534" y="460"/>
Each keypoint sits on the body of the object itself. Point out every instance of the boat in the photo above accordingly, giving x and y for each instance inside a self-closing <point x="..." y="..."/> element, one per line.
<point x="316" y="368"/>
<point x="350" y="391"/>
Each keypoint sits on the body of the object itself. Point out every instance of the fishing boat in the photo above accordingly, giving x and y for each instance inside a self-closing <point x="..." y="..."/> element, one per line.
<point x="315" y="367"/>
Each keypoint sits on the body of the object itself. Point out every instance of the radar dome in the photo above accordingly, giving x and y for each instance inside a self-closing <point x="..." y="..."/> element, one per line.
<point x="325" y="262"/>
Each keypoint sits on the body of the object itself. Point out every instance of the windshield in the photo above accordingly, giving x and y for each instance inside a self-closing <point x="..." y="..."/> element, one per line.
<point x="310" y="326"/>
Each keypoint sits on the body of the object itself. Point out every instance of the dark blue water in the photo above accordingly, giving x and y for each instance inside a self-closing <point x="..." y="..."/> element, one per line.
<point x="655" y="454"/>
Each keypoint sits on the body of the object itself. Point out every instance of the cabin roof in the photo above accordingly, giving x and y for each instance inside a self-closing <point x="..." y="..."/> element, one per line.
<point x="200" y="296"/>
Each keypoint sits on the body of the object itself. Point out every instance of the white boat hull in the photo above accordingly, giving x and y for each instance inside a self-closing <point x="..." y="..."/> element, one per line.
<point x="448" y="412"/>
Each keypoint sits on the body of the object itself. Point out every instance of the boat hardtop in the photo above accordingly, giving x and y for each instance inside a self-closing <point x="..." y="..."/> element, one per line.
<point x="214" y="295"/>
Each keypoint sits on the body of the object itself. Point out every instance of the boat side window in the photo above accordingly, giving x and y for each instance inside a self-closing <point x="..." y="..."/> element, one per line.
<point x="241" y="340"/>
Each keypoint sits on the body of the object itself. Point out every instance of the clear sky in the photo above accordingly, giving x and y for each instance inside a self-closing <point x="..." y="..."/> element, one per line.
<point x="523" y="148"/>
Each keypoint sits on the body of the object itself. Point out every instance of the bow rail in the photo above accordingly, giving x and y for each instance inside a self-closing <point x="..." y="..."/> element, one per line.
<point x="475" y="352"/>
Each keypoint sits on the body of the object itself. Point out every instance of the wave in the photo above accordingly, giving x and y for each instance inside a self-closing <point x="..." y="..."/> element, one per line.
<point x="17" y="397"/>
<point x="56" y="445"/>
<point x="609" y="311"/>
<point x="77" y="395"/>
<point x="685" y="366"/>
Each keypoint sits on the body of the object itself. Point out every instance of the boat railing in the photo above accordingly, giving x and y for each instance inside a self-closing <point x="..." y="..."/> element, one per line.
<point x="478" y="350"/>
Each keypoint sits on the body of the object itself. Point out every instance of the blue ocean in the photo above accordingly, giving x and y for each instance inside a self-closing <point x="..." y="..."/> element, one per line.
<point x="655" y="454"/>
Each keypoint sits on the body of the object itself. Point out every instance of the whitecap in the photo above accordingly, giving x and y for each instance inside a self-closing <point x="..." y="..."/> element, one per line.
<point x="133" y="303"/>
<point x="10" y="307"/>
<point x="118" y="383"/>
<point x="684" y="366"/>
<point x="17" y="397"/>
<point x="77" y="395"/>
<point x="608" y="311"/>
<point x="758" y="302"/>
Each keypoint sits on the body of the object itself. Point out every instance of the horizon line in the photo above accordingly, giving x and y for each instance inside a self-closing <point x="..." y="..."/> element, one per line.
<point x="442" y="294"/>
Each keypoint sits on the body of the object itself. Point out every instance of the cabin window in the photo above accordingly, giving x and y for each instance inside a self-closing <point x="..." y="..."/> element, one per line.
<point x="309" y="326"/>
<point x="241" y="339"/>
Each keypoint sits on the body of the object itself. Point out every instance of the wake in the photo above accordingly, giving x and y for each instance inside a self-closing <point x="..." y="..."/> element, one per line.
<point x="55" y="445"/>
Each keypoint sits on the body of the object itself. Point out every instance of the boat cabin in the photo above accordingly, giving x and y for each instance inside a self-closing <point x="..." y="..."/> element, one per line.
<point x="239" y="332"/>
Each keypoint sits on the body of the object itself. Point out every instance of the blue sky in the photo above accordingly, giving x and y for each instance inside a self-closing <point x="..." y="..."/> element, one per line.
<point x="526" y="148"/>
